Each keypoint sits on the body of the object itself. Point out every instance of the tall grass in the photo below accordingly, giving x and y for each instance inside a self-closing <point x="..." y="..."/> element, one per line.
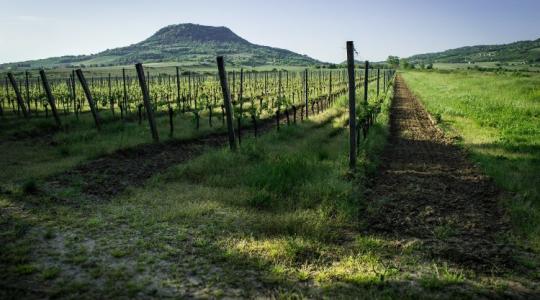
<point x="497" y="118"/>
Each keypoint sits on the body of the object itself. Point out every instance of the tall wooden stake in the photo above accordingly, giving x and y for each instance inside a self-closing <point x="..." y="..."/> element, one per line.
<point x="378" y="79"/>
<point x="146" y="100"/>
<point x="50" y="97"/>
<point x="226" y="100"/>
<point x="352" y="105"/>
<point x="27" y="89"/>
<point x="124" y="106"/>
<point x="177" y="88"/>
<point x="366" y="82"/>
<point x="306" y="92"/>
<point x="88" y="95"/>
<point x="18" y="95"/>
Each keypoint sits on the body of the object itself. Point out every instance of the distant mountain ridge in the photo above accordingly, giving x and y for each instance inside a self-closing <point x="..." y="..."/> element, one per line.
<point x="188" y="44"/>
<point x="522" y="51"/>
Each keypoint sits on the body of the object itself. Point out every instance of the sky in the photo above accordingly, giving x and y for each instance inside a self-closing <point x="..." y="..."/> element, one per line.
<point x="45" y="28"/>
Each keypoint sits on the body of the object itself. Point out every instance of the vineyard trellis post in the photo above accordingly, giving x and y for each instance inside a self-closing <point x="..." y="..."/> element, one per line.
<point x="306" y="92"/>
<point x="352" y="105"/>
<point x="366" y="82"/>
<point x="384" y="80"/>
<point x="88" y="95"/>
<point x="111" y="99"/>
<point x="27" y="89"/>
<point x="50" y="97"/>
<point x="226" y="100"/>
<point x="177" y="88"/>
<point x="125" y="104"/>
<point x="146" y="101"/>
<point x="378" y="80"/>
<point x="18" y="96"/>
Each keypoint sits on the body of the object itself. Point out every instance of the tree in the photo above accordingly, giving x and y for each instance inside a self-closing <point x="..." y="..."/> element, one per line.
<point x="393" y="61"/>
<point x="404" y="63"/>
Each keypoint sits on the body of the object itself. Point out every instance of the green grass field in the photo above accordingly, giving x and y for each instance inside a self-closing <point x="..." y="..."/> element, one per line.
<point x="507" y="66"/>
<point x="497" y="119"/>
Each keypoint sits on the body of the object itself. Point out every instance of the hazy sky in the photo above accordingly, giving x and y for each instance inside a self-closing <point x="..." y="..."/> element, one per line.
<point x="45" y="28"/>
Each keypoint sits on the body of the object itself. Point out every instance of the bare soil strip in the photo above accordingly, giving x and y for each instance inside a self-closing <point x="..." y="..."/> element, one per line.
<point x="109" y="175"/>
<point x="426" y="189"/>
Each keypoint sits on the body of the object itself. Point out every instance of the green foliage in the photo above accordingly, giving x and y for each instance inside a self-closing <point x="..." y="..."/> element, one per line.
<point x="523" y="51"/>
<point x="499" y="125"/>
<point x="393" y="61"/>
<point x="186" y="43"/>
<point x="281" y="174"/>
<point x="404" y="64"/>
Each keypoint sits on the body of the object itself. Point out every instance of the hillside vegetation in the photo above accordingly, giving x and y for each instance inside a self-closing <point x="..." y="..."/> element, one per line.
<point x="522" y="51"/>
<point x="189" y="44"/>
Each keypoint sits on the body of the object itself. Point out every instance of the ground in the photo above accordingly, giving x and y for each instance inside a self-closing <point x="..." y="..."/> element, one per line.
<point x="280" y="218"/>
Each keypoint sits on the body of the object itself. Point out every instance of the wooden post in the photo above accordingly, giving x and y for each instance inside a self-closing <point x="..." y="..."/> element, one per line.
<point x="18" y="95"/>
<point x="177" y="88"/>
<point x="27" y="89"/>
<point x="352" y="105"/>
<point x="146" y="100"/>
<point x="384" y="81"/>
<point x="76" y="104"/>
<point x="88" y="95"/>
<point x="125" y="90"/>
<point x="240" y="95"/>
<point x="265" y="82"/>
<point x="233" y="85"/>
<point x="111" y="100"/>
<point x="171" y="125"/>
<point x="378" y="79"/>
<point x="366" y="82"/>
<point x="306" y="92"/>
<point x="226" y="100"/>
<point x="50" y="97"/>
<point x="330" y="89"/>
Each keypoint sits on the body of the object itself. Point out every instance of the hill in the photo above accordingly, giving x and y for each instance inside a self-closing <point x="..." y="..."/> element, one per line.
<point x="188" y="44"/>
<point x="522" y="51"/>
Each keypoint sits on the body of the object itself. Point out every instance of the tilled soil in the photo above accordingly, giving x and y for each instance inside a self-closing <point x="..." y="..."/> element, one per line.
<point x="426" y="189"/>
<point x="111" y="174"/>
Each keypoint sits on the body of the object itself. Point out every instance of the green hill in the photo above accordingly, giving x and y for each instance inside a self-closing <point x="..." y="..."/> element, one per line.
<point x="187" y="44"/>
<point x="522" y="51"/>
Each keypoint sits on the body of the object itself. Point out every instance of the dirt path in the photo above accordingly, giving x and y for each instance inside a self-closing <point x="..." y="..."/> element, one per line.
<point x="426" y="189"/>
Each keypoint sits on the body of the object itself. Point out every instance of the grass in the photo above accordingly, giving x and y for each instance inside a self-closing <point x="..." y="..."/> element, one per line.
<point x="490" y="66"/>
<point x="81" y="141"/>
<point x="497" y="119"/>
<point x="277" y="218"/>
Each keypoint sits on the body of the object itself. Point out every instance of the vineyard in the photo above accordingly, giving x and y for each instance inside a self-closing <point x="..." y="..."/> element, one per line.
<point x="181" y="98"/>
<point x="353" y="180"/>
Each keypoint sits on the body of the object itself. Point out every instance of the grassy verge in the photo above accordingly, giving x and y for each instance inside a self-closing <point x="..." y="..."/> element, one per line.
<point x="497" y="119"/>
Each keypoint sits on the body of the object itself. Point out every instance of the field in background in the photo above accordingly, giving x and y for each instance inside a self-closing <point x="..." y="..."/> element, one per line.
<point x="497" y="118"/>
<point x="509" y="66"/>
